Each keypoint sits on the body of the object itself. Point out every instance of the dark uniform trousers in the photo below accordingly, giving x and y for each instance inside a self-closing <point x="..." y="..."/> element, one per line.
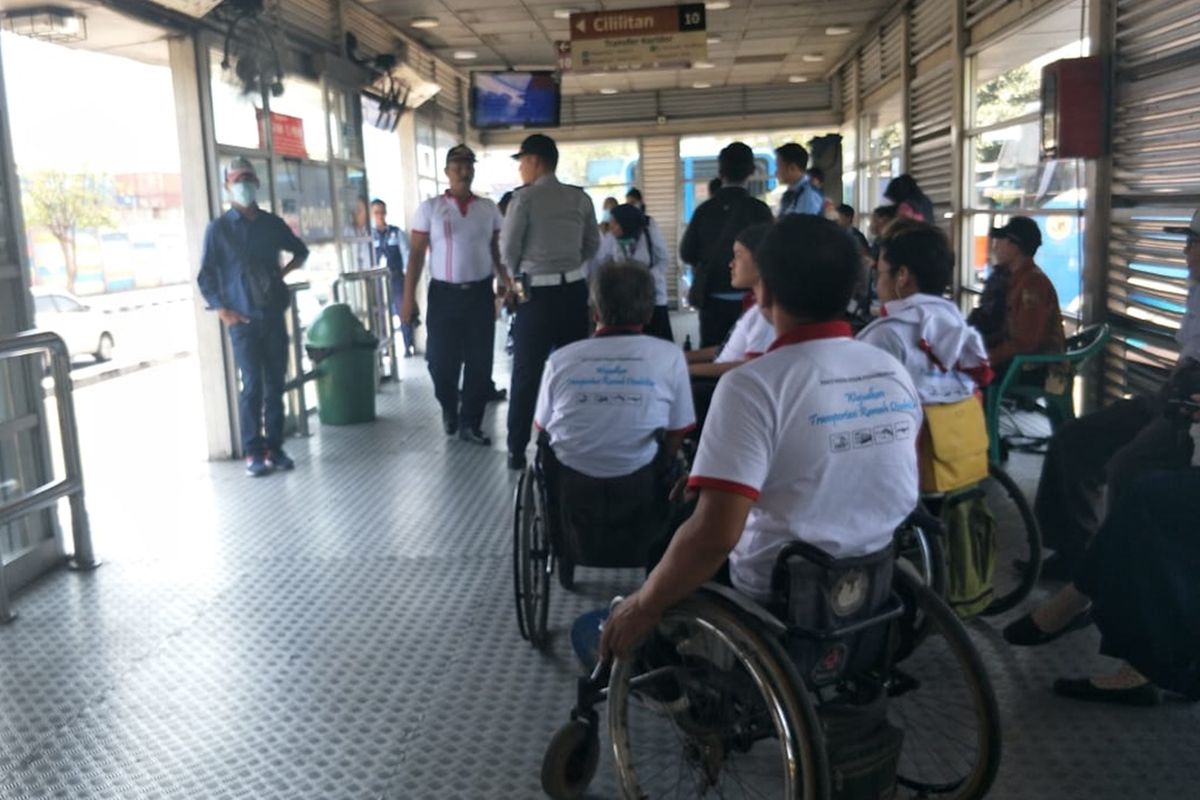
<point x="717" y="319"/>
<point x="554" y="316"/>
<point x="260" y="349"/>
<point x="462" y="320"/>
<point x="1111" y="446"/>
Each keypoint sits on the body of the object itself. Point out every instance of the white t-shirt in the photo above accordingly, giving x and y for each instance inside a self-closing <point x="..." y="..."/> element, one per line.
<point x="648" y="249"/>
<point x="460" y="237"/>
<point x="1189" y="330"/>
<point x="752" y="334"/>
<point x="822" y="434"/>
<point x="602" y="399"/>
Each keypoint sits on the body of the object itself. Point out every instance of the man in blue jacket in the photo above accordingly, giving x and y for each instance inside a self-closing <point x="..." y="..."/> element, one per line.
<point x="242" y="280"/>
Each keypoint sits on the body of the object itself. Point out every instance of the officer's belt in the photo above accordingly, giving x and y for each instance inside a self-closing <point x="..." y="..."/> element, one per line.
<point x="555" y="278"/>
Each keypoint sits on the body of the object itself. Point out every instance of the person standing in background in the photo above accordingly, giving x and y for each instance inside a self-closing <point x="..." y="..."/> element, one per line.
<point x="391" y="250"/>
<point x="791" y="170"/>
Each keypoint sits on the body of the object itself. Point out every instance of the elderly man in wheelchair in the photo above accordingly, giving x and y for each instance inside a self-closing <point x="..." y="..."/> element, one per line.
<point x="778" y="649"/>
<point x="611" y="413"/>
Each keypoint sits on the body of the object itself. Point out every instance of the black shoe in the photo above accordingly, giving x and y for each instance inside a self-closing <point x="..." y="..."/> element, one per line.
<point x="1083" y="689"/>
<point x="1026" y="633"/>
<point x="497" y="395"/>
<point x="474" y="436"/>
<point x="450" y="422"/>
<point x="516" y="461"/>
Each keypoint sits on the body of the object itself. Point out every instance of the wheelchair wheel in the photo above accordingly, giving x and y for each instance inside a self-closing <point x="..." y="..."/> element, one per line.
<point x="712" y="706"/>
<point x="1018" y="541"/>
<point x="941" y="697"/>
<point x="571" y="760"/>
<point x="532" y="562"/>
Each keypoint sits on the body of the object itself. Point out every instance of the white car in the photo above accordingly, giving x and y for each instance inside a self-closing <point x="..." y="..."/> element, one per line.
<point x="86" y="331"/>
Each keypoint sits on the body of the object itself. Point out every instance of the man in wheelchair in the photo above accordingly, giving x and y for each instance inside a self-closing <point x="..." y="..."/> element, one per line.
<point x="813" y="442"/>
<point x="612" y="411"/>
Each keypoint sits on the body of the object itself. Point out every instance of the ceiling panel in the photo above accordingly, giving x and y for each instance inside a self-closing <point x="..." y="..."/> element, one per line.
<point x="521" y="33"/>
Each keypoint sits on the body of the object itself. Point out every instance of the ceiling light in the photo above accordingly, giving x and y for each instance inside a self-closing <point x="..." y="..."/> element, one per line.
<point x="465" y="55"/>
<point x="424" y="22"/>
<point x="565" y="13"/>
<point x="714" y="40"/>
<point x="812" y="58"/>
<point x="717" y="5"/>
<point x="46" y="23"/>
<point x="837" y="30"/>
<point x="797" y="79"/>
<point x="701" y="85"/>
<point x="703" y="65"/>
<point x="608" y="90"/>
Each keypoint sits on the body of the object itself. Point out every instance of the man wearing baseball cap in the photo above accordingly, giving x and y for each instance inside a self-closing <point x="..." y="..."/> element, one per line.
<point x="549" y="233"/>
<point x="460" y="233"/>
<point x="240" y="278"/>
<point x="1019" y="310"/>
<point x="1114" y="445"/>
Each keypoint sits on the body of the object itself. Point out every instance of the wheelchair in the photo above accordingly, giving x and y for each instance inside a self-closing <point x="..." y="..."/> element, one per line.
<point x="563" y="519"/>
<point x="830" y="691"/>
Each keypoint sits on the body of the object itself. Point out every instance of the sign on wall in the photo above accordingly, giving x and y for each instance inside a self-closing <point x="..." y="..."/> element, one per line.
<point x="287" y="135"/>
<point x="639" y="38"/>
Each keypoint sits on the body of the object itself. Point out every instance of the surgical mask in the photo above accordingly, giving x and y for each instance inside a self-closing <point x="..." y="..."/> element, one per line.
<point x="243" y="193"/>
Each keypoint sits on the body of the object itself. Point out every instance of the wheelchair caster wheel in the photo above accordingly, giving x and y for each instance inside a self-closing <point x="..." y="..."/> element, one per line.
<point x="571" y="760"/>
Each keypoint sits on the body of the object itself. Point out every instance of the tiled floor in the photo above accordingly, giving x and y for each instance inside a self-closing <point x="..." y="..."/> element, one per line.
<point x="347" y="631"/>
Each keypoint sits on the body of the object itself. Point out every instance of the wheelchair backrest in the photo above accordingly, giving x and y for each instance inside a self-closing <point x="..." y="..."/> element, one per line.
<point x="835" y="610"/>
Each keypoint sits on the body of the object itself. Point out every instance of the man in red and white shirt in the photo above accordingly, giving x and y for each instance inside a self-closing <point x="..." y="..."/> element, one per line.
<point x="602" y="399"/>
<point x="460" y="233"/>
<point x="813" y="441"/>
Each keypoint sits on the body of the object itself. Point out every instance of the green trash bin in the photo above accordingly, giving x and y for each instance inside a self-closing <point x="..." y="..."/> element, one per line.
<point x="343" y="356"/>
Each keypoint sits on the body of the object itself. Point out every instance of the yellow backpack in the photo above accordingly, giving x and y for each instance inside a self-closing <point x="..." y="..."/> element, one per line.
<point x="953" y="446"/>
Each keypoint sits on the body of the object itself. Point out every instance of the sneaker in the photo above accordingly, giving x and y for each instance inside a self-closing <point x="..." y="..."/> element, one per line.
<point x="280" y="460"/>
<point x="450" y="422"/>
<point x="474" y="436"/>
<point x="257" y="466"/>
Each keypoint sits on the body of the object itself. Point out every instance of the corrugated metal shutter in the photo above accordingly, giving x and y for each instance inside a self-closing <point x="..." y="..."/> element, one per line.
<point x="315" y="19"/>
<point x="700" y="102"/>
<point x="849" y="81"/>
<point x="1156" y="182"/>
<point x="931" y="104"/>
<point x="450" y="102"/>
<point x="659" y="166"/>
<point x="978" y="9"/>
<point x="373" y="35"/>
<point x="593" y="109"/>
<point x="870" y="66"/>
<point x="778" y="97"/>
<point x="929" y="27"/>
<point x="891" y="50"/>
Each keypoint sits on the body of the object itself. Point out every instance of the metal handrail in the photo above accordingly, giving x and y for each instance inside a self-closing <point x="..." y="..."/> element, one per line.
<point x="377" y="284"/>
<point x="298" y="402"/>
<point x="30" y="343"/>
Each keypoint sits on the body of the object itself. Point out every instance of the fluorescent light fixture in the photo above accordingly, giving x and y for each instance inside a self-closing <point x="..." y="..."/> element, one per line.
<point x="812" y="58"/>
<point x="424" y="22"/>
<point x="565" y="13"/>
<point x="797" y="79"/>
<point x="465" y="55"/>
<point x="701" y="85"/>
<point x="703" y="65"/>
<point x="717" y="5"/>
<point x="837" y="30"/>
<point x="714" y="40"/>
<point x="608" y="90"/>
<point x="46" y="23"/>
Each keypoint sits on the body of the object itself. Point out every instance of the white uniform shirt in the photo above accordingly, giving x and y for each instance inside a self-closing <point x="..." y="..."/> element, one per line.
<point x="460" y="237"/>
<point x="602" y="399"/>
<point x="752" y="334"/>
<point x="922" y="327"/>
<point x="648" y="249"/>
<point x="822" y="434"/>
<point x="1188" y="336"/>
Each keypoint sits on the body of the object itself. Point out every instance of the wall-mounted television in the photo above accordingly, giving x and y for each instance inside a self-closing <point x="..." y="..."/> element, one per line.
<point x="515" y="100"/>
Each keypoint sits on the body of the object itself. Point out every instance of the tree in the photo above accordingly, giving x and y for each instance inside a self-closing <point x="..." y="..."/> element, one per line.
<point x="64" y="204"/>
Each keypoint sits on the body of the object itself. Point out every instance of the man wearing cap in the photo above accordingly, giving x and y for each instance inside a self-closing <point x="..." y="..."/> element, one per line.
<point x="241" y="279"/>
<point x="708" y="243"/>
<point x="1117" y="443"/>
<point x="549" y="233"/>
<point x="802" y="196"/>
<point x="1019" y="311"/>
<point x="460" y="233"/>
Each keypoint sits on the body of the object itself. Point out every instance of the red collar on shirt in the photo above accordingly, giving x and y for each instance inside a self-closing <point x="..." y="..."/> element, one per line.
<point x="618" y="330"/>
<point x="463" y="206"/>
<point x="813" y="330"/>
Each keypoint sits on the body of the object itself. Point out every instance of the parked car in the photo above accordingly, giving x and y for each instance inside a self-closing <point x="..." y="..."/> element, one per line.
<point x="87" y="331"/>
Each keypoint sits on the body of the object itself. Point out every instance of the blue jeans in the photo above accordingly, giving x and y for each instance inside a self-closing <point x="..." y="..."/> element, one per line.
<point x="260" y="350"/>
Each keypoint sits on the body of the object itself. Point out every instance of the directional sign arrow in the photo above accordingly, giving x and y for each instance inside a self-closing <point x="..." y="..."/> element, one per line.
<point x="582" y="25"/>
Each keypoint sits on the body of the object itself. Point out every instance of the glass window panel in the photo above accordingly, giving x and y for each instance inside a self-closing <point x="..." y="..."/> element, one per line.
<point x="234" y="112"/>
<point x="345" y="124"/>
<point x="304" y="198"/>
<point x="1007" y="173"/>
<point x="1060" y="256"/>
<point x="302" y="99"/>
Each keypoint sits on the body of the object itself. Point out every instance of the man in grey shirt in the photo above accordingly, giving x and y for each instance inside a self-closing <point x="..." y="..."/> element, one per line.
<point x="549" y="232"/>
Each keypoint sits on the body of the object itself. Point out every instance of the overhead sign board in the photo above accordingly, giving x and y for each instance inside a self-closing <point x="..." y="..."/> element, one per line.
<point x="638" y="38"/>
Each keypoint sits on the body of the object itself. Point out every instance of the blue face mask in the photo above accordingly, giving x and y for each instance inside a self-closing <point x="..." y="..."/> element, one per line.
<point x="243" y="193"/>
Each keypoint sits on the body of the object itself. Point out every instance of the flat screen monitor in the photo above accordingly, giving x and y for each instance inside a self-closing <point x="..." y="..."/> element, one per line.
<point x="515" y="100"/>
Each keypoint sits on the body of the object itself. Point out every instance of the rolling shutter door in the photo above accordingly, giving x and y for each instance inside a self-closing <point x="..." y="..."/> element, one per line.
<point x="931" y="104"/>
<point x="1156" y="182"/>
<point x="659" y="167"/>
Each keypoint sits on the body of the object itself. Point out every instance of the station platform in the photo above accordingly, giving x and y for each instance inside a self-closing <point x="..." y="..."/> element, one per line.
<point x="347" y="631"/>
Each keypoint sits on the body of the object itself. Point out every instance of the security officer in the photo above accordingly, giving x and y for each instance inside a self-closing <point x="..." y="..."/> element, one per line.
<point x="549" y="232"/>
<point x="391" y="249"/>
<point x="240" y="279"/>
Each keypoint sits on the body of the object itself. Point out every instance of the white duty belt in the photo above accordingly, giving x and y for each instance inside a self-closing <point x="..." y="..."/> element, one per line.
<point x="556" y="278"/>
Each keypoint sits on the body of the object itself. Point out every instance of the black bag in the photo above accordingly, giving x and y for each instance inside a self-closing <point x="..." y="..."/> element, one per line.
<point x="737" y="219"/>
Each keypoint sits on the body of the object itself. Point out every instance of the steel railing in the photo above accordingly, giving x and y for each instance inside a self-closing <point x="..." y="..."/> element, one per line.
<point x="297" y="401"/>
<point x="376" y="284"/>
<point x="31" y="343"/>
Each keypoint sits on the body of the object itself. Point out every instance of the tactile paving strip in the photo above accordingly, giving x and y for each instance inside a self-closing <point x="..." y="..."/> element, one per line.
<point x="347" y="631"/>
